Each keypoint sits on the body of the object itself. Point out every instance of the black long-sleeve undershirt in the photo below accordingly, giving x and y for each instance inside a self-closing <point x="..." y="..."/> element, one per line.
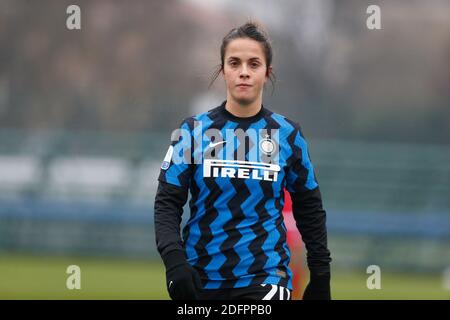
<point x="169" y="202"/>
<point x="310" y="218"/>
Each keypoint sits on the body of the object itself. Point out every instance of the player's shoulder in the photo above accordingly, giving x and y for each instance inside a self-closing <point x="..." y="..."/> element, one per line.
<point x="284" y="122"/>
<point x="200" y="117"/>
<point x="189" y="122"/>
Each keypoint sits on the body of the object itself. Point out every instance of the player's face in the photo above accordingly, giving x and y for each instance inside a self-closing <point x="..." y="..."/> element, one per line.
<point x="245" y="70"/>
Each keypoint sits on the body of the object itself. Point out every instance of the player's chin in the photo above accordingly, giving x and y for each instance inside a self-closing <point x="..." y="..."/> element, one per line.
<point x="245" y="99"/>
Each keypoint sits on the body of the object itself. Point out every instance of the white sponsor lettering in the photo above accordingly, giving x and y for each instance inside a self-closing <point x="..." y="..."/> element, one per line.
<point x="240" y="169"/>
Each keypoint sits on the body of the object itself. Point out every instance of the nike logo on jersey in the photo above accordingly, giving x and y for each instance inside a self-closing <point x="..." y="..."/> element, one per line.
<point x="213" y="144"/>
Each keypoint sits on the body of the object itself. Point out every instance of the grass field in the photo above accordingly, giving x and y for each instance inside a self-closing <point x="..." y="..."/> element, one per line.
<point x="38" y="277"/>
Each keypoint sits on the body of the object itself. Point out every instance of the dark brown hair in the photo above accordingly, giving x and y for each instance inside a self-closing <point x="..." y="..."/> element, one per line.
<point x="251" y="30"/>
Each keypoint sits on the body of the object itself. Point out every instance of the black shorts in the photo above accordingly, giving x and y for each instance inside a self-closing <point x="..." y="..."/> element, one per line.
<point x="258" y="292"/>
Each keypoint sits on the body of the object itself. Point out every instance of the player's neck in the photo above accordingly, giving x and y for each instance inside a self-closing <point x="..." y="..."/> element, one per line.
<point x="243" y="111"/>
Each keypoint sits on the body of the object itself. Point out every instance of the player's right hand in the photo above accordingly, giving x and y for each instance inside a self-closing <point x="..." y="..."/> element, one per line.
<point x="183" y="281"/>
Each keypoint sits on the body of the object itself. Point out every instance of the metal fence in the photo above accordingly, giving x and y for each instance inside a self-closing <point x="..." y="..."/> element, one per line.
<point x="92" y="194"/>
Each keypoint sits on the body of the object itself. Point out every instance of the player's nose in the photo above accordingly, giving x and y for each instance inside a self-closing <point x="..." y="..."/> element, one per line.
<point x="244" y="71"/>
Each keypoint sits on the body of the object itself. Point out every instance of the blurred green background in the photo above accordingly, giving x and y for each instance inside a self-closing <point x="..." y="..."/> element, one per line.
<point x="31" y="277"/>
<point x="86" y="117"/>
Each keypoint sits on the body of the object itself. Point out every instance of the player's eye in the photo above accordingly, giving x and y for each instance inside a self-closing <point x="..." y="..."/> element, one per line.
<point x="233" y="63"/>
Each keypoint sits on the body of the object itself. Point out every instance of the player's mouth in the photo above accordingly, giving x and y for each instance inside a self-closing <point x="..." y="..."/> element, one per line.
<point x="244" y="86"/>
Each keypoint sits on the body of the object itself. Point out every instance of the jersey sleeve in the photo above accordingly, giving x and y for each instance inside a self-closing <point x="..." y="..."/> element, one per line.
<point x="307" y="206"/>
<point x="176" y="166"/>
<point x="300" y="175"/>
<point x="172" y="192"/>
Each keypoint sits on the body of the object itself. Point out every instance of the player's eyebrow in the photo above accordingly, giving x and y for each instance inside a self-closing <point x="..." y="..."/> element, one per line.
<point x="239" y="59"/>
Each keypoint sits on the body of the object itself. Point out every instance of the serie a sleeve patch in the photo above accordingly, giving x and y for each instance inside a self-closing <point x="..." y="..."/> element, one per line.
<point x="167" y="159"/>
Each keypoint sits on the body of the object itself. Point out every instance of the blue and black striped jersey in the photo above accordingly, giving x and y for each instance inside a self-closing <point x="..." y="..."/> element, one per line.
<point x="236" y="170"/>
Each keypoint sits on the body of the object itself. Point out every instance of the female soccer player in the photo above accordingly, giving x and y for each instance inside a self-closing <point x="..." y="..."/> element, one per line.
<point x="236" y="161"/>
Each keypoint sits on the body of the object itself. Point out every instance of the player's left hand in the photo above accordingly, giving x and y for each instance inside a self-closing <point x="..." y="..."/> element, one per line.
<point x="318" y="287"/>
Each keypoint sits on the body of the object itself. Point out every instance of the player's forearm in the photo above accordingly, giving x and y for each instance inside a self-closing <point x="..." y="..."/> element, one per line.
<point x="311" y="222"/>
<point x="169" y="202"/>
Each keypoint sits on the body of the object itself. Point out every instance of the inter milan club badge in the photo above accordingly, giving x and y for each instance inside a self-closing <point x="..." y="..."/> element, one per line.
<point x="266" y="145"/>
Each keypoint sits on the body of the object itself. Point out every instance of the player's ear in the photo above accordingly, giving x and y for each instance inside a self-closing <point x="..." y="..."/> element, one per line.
<point x="268" y="72"/>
